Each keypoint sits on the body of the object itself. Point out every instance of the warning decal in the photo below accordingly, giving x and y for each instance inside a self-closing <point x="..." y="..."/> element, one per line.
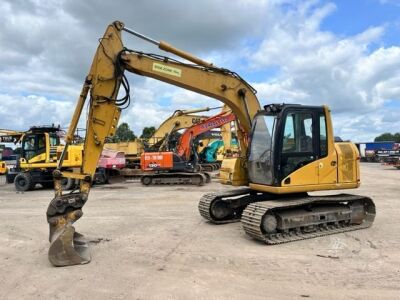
<point x="167" y="69"/>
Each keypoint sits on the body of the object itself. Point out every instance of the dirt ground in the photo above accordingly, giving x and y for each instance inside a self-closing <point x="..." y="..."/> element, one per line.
<point x="151" y="243"/>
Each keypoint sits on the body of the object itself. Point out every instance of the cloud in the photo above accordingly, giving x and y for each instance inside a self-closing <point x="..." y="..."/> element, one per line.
<point x="364" y="127"/>
<point x="354" y="75"/>
<point x="145" y="109"/>
<point x="19" y="113"/>
<point x="47" y="48"/>
<point x="393" y="2"/>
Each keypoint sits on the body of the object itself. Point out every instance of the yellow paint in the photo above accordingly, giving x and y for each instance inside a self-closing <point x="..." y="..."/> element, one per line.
<point x="3" y="168"/>
<point x="73" y="175"/>
<point x="233" y="171"/>
<point x="301" y="188"/>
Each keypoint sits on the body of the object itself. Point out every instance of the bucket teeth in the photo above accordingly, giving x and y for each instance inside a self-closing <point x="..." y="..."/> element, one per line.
<point x="69" y="248"/>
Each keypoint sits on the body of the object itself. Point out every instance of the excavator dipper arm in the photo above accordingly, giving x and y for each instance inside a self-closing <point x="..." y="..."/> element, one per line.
<point x="102" y="85"/>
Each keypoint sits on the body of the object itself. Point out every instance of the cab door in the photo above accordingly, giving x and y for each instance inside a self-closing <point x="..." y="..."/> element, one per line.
<point x="299" y="150"/>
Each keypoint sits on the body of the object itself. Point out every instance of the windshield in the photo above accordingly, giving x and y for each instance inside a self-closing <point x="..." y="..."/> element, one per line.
<point x="261" y="150"/>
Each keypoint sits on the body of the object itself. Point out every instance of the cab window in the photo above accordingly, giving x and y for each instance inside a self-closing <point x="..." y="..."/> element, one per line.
<point x="29" y="147"/>
<point x="323" y="142"/>
<point x="29" y="144"/>
<point x="54" y="140"/>
<point x="298" y="142"/>
<point x="298" y="136"/>
<point x="41" y="142"/>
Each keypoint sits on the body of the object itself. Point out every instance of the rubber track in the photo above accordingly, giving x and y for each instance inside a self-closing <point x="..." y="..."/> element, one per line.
<point x="207" y="200"/>
<point x="252" y="218"/>
<point x="176" y="175"/>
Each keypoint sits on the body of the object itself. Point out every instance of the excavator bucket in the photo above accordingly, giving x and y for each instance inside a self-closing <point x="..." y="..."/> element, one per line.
<point x="69" y="248"/>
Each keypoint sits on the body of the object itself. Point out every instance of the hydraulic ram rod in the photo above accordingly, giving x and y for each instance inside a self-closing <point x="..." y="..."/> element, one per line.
<point x="169" y="48"/>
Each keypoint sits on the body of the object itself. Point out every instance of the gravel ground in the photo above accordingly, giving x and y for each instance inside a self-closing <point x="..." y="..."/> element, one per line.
<point x="151" y="243"/>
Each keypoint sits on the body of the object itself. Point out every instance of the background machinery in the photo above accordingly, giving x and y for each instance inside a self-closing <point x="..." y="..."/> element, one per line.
<point x="40" y="148"/>
<point x="217" y="149"/>
<point x="38" y="157"/>
<point x="7" y="155"/>
<point x="182" y="164"/>
<point x="209" y="153"/>
<point x="3" y="168"/>
<point x="180" y="119"/>
<point x="292" y="151"/>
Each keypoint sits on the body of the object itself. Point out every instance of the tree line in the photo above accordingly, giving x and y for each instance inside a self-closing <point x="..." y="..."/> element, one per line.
<point x="387" y="136"/>
<point x="125" y="134"/>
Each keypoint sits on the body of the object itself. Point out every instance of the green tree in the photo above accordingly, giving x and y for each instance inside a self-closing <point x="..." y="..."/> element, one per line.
<point x="148" y="132"/>
<point x="123" y="134"/>
<point x="387" y="136"/>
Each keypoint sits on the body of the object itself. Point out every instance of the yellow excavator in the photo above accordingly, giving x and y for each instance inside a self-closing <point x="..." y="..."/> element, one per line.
<point x="286" y="151"/>
<point x="180" y="119"/>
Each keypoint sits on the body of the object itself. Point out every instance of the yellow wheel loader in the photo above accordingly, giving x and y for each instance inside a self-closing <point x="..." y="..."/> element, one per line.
<point x="40" y="148"/>
<point x="38" y="158"/>
<point x="291" y="152"/>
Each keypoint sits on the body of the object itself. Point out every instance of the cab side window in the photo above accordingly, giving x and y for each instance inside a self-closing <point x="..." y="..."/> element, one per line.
<point x="41" y="142"/>
<point x="289" y="144"/>
<point x="298" y="134"/>
<point x="29" y="143"/>
<point x="323" y="142"/>
<point x="54" y="140"/>
<point x="28" y="147"/>
<point x="298" y="142"/>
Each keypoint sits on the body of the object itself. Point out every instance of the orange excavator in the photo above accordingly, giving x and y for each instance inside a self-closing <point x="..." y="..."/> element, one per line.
<point x="181" y="166"/>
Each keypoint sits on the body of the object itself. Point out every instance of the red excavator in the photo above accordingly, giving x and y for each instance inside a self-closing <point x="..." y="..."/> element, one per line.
<point x="181" y="165"/>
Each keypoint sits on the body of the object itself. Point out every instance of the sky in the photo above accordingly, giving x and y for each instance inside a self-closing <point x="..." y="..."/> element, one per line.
<point x="345" y="54"/>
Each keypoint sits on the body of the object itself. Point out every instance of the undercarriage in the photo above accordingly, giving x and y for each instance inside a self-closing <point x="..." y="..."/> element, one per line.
<point x="276" y="219"/>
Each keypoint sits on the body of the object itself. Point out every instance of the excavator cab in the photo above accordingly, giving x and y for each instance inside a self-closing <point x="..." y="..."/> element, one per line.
<point x="293" y="150"/>
<point x="37" y="142"/>
<point x="284" y="139"/>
